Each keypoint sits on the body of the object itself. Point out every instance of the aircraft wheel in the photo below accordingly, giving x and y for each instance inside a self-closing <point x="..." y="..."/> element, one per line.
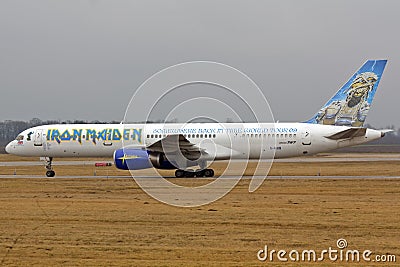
<point x="199" y="173"/>
<point x="50" y="173"/>
<point x="208" y="172"/>
<point x="189" y="174"/>
<point x="179" y="173"/>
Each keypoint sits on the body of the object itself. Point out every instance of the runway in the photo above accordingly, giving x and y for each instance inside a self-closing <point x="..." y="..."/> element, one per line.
<point x="246" y="177"/>
<point x="323" y="166"/>
<point x="41" y="163"/>
<point x="321" y="158"/>
<point x="338" y="159"/>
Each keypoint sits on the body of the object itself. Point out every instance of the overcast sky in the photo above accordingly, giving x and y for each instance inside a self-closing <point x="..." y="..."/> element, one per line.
<point x="84" y="59"/>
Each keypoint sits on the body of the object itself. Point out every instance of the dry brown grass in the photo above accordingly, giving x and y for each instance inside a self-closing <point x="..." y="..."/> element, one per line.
<point x="112" y="222"/>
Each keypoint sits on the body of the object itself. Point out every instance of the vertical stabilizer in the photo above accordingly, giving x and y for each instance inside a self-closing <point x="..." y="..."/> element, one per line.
<point x="350" y="105"/>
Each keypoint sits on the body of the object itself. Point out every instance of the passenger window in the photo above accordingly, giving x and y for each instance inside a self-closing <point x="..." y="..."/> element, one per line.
<point x="214" y="135"/>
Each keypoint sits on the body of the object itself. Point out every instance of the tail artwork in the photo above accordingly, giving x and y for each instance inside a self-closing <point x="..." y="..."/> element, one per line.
<point x="350" y="105"/>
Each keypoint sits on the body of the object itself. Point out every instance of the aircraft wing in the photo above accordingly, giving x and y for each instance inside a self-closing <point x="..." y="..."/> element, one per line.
<point x="173" y="143"/>
<point x="208" y="150"/>
<point x="348" y="134"/>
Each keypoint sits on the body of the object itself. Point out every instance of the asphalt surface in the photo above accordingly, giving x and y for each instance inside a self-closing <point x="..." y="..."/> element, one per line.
<point x="202" y="178"/>
<point x="341" y="158"/>
<point x="299" y="159"/>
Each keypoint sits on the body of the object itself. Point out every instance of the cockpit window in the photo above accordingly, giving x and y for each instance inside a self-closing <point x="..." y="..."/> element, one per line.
<point x="19" y="138"/>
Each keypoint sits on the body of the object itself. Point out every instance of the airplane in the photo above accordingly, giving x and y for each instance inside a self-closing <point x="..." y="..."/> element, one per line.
<point x="339" y="123"/>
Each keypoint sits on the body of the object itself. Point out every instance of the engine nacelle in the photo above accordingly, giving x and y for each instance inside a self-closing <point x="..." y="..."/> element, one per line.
<point x="137" y="159"/>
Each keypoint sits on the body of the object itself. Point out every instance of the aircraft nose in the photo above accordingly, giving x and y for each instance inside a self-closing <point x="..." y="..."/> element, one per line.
<point x="8" y="148"/>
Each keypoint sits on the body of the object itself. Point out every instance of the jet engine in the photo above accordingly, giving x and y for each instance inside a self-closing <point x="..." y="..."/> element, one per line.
<point x="137" y="159"/>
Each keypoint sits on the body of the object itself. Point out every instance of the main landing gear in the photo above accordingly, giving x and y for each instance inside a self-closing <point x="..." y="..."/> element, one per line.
<point x="190" y="174"/>
<point x="49" y="168"/>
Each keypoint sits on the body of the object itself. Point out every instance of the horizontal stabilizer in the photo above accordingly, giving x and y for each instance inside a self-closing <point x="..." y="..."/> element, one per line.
<point x="348" y="134"/>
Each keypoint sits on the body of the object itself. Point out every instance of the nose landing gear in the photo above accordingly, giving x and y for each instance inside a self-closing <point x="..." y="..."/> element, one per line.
<point x="50" y="172"/>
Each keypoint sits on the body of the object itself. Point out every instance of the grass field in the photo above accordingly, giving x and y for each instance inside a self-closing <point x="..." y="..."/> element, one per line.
<point x="112" y="222"/>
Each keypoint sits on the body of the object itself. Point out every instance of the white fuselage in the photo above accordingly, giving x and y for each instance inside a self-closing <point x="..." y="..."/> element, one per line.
<point x="223" y="140"/>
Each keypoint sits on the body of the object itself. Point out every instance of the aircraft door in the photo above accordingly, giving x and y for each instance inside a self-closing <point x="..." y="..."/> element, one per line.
<point x="305" y="142"/>
<point x="38" y="139"/>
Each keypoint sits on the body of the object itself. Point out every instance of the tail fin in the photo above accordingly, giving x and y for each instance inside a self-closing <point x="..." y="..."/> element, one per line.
<point x="350" y="105"/>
